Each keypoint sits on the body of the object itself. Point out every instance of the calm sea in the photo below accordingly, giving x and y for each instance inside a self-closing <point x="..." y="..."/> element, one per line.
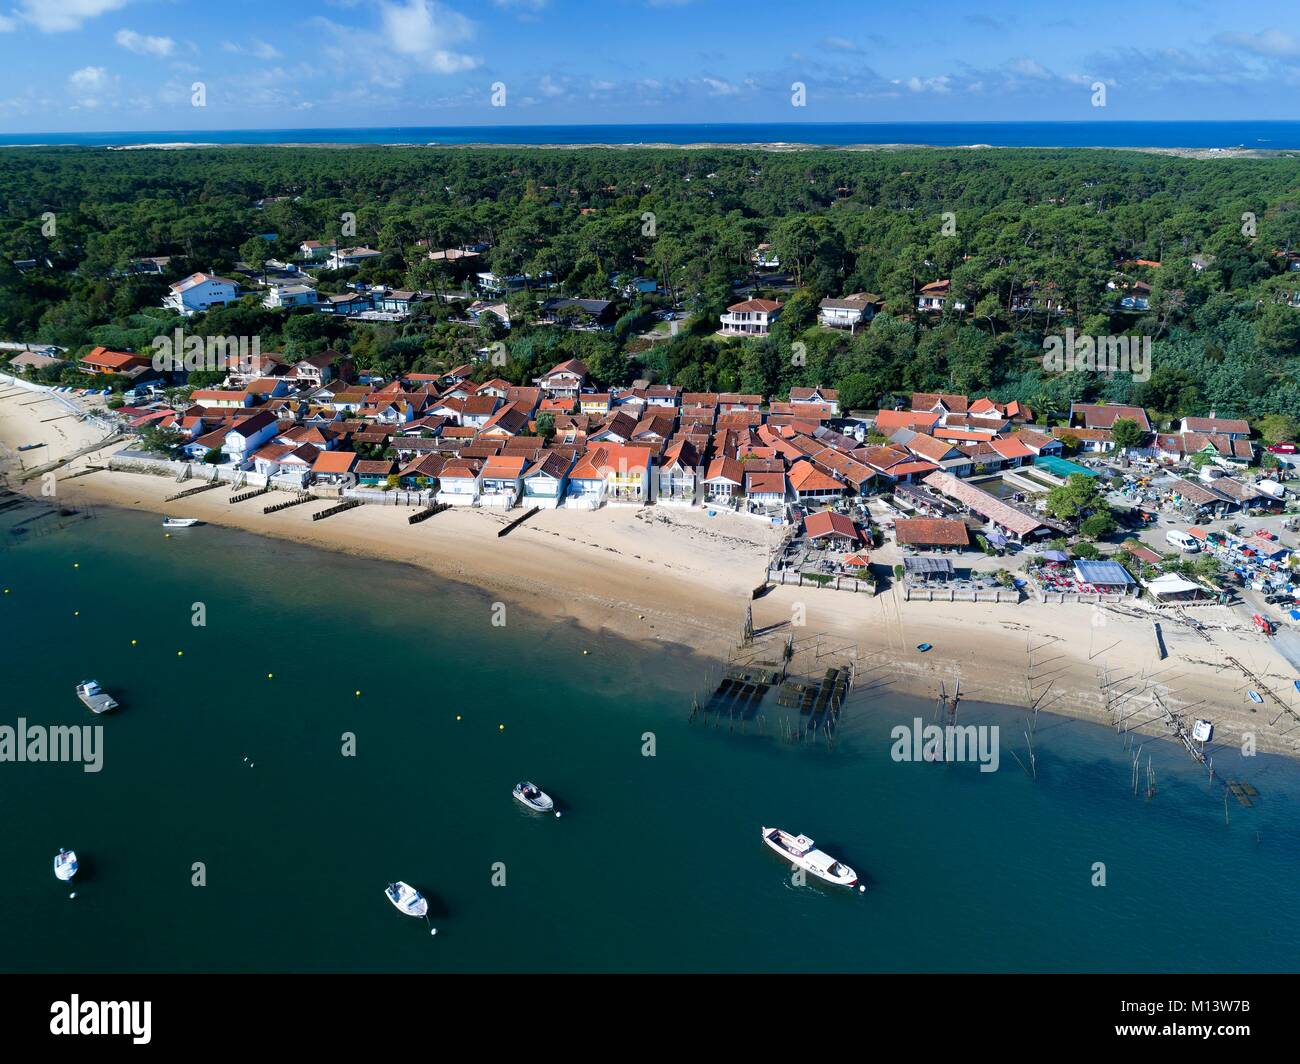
<point x="1099" y="132"/>
<point x="656" y="864"/>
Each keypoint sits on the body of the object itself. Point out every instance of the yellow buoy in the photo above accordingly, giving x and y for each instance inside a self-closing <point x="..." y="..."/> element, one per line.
<point x="167" y="535"/>
<point x="458" y="716"/>
<point x="133" y="642"/>
<point x="180" y="653"/>
<point x="501" y="727"/>
<point x="76" y="565"/>
<point x="270" y="675"/>
<point x="358" y="694"/>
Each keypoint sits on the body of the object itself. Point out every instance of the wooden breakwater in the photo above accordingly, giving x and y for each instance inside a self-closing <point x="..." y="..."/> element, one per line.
<point x="254" y="493"/>
<point x="192" y="491"/>
<point x="517" y="522"/>
<point x="275" y="507"/>
<point x="337" y="508"/>
<point x="427" y="512"/>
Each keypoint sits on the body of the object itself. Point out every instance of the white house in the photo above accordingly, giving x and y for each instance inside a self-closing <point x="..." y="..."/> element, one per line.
<point x="199" y="291"/>
<point x="290" y="295"/>
<point x="935" y="295"/>
<point x="346" y="258"/>
<point x="458" y="483"/>
<point x="246" y="436"/>
<point x="849" y="312"/>
<point x="500" y="482"/>
<point x="753" y="317"/>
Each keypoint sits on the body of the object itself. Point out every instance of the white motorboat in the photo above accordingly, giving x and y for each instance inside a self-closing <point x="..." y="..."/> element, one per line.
<point x="801" y="852"/>
<point x="180" y="522"/>
<point x="407" y="899"/>
<point x="1202" y="731"/>
<point x="65" y="865"/>
<point x="94" y="697"/>
<point x="533" y="797"/>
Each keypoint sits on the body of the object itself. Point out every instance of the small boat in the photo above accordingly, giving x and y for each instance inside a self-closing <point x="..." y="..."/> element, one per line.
<point x="30" y="446"/>
<point x="180" y="522"/>
<point x="1202" y="731"/>
<point x="407" y="899"/>
<point x="1255" y="696"/>
<point x="65" y="865"/>
<point x="801" y="852"/>
<point x="533" y="797"/>
<point x="1297" y="685"/>
<point x="923" y="647"/>
<point x="94" y="697"/>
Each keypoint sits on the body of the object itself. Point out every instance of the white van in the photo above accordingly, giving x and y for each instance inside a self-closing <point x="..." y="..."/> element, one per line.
<point x="1182" y="541"/>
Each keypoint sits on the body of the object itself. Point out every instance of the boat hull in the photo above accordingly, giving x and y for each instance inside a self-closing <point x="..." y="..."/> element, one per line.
<point x="816" y="863"/>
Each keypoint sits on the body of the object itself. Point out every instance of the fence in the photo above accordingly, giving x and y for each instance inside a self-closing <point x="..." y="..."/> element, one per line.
<point x="968" y="594"/>
<point x="835" y="583"/>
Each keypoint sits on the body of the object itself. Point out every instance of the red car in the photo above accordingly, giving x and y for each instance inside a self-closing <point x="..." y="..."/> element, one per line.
<point x="1283" y="448"/>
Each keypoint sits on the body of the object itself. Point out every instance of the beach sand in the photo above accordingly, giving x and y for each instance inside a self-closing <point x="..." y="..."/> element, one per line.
<point x="675" y="575"/>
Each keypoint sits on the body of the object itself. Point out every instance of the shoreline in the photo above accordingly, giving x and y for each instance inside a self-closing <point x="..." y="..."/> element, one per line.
<point x="662" y="575"/>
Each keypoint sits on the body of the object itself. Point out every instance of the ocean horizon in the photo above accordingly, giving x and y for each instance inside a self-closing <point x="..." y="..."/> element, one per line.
<point x="1098" y="133"/>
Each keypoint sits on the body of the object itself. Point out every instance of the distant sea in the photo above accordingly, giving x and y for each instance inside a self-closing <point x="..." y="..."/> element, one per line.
<point x="226" y="762"/>
<point x="1099" y="132"/>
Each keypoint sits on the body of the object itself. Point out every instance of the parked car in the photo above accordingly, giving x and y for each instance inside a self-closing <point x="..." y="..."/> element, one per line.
<point x="1182" y="541"/>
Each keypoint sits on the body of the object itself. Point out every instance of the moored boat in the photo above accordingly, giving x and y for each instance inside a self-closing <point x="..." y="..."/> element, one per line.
<point x="407" y="899"/>
<point x="94" y="697"/>
<point x="533" y="797"/>
<point x="1255" y="696"/>
<point x="180" y="522"/>
<point x="65" y="865"/>
<point x="802" y="852"/>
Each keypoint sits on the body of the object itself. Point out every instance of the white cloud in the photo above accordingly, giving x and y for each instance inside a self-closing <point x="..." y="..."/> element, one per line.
<point x="1271" y="42"/>
<point x="91" y="86"/>
<point x="7" y="24"/>
<point x="427" y="33"/>
<point x="142" y="44"/>
<point x="840" y="44"/>
<point x="257" y="48"/>
<point x="58" y="16"/>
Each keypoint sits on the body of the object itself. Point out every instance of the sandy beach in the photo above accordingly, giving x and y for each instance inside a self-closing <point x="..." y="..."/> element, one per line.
<point x="674" y="575"/>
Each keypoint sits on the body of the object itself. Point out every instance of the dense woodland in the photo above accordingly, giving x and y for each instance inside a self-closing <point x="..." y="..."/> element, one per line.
<point x="1226" y="337"/>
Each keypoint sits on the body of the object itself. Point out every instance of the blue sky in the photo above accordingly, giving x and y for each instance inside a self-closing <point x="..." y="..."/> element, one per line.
<point x="95" y="65"/>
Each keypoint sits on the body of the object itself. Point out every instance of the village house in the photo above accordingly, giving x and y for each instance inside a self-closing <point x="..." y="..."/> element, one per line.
<point x="348" y="258"/>
<point x="753" y="317"/>
<point x="724" y="481"/>
<point x="199" y="291"/>
<point x="103" y="361"/>
<point x="848" y="312"/>
<point x="832" y="530"/>
<point x="931" y="534"/>
<point x="1232" y="428"/>
<point x="245" y="436"/>
<point x="810" y="485"/>
<point x="934" y="296"/>
<point x="335" y="467"/>
<point x="679" y="473"/>
<point x="816" y="398"/>
<point x="564" y="381"/>
<point x="546" y="481"/>
<point x="458" y="483"/>
<point x="222" y="399"/>
<point x="500" y="482"/>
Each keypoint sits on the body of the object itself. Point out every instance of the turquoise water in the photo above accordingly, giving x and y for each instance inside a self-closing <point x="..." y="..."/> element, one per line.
<point x="656" y="865"/>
